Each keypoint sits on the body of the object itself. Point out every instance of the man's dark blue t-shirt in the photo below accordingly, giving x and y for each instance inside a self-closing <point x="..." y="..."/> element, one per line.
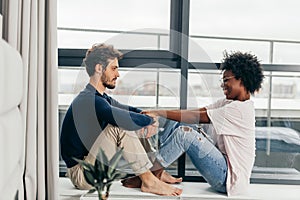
<point x="89" y="114"/>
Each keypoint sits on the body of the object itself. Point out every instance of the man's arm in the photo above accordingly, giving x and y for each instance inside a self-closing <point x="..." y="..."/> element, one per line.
<point x="151" y="129"/>
<point x="123" y="118"/>
<point x="115" y="103"/>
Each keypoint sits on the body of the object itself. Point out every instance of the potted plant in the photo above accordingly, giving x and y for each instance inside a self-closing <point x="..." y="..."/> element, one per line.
<point x="102" y="174"/>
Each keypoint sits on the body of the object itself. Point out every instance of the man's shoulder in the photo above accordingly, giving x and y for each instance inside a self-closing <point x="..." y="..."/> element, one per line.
<point x="85" y="97"/>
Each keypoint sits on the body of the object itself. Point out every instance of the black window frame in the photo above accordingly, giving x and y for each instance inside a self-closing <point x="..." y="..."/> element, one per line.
<point x="177" y="58"/>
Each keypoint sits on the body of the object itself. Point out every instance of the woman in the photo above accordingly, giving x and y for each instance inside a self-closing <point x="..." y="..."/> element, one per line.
<point x="227" y="164"/>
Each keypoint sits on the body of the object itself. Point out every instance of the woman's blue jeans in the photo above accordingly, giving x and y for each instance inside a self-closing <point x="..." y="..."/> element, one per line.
<point x="208" y="159"/>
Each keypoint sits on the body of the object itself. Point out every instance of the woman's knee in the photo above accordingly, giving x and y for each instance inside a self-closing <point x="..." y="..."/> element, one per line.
<point x="186" y="136"/>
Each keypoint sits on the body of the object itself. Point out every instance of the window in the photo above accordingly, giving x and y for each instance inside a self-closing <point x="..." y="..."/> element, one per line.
<point x="152" y="76"/>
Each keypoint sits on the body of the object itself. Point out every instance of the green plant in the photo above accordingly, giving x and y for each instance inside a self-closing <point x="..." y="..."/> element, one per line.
<point x="102" y="174"/>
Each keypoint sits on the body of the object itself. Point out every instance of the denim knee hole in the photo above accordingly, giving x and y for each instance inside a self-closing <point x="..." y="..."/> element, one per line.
<point x="186" y="129"/>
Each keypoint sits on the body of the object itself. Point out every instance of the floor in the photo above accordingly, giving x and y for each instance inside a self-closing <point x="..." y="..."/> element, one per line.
<point x="191" y="191"/>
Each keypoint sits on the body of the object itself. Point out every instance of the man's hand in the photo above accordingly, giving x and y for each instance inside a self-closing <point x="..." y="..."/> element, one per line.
<point x="152" y="129"/>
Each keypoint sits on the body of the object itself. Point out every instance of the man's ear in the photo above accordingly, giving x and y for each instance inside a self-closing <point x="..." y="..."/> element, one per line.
<point x="98" y="69"/>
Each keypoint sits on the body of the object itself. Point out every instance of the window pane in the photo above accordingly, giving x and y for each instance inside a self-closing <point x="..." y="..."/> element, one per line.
<point x="70" y="82"/>
<point x="84" y="22"/>
<point x="148" y="88"/>
<point x="285" y="95"/>
<point x="278" y="146"/>
<point x="169" y="86"/>
<point x="253" y="20"/>
<point x="136" y="87"/>
<point x="214" y="49"/>
<point x="203" y="87"/>
<point x="246" y="19"/>
<point x="285" y="53"/>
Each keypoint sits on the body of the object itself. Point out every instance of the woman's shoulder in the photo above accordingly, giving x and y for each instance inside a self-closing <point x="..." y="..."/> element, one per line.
<point x="248" y="102"/>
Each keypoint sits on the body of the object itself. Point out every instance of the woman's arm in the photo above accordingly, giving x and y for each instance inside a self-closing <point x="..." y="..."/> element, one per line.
<point x="187" y="116"/>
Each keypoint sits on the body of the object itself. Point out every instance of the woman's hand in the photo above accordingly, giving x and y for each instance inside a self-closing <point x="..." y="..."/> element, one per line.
<point x="150" y="113"/>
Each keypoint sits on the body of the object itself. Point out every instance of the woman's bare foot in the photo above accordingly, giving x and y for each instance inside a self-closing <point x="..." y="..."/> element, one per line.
<point x="152" y="184"/>
<point x="167" y="178"/>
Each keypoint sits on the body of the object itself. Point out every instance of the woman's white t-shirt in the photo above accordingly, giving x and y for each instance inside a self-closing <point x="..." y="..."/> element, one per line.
<point x="234" y="128"/>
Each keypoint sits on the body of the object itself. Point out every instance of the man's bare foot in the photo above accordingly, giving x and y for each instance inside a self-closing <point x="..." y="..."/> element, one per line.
<point x="167" y="178"/>
<point x="132" y="182"/>
<point x="155" y="186"/>
<point x="135" y="182"/>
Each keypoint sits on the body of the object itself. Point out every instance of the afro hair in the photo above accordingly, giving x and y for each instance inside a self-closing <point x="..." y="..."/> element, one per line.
<point x="246" y="67"/>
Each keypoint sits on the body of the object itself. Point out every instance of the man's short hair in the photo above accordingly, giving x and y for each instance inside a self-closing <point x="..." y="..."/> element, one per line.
<point x="246" y="67"/>
<point x="100" y="54"/>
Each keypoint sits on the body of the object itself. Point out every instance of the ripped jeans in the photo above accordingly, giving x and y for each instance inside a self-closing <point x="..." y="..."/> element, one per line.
<point x="207" y="158"/>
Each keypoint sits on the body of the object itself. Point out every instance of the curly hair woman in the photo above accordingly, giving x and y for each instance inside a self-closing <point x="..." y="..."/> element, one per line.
<point x="226" y="163"/>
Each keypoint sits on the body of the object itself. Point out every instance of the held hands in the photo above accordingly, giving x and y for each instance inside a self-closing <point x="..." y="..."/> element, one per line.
<point x="152" y="129"/>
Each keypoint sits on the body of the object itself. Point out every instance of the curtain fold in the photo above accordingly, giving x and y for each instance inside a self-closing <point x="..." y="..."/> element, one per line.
<point x="52" y="148"/>
<point x="30" y="27"/>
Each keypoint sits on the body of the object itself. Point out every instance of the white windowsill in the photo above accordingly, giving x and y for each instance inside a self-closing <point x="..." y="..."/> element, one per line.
<point x="191" y="191"/>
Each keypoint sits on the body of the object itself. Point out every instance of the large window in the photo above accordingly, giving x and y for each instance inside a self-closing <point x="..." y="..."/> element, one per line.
<point x="165" y="70"/>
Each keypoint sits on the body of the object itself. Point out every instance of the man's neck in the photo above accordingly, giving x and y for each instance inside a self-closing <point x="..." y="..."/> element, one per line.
<point x="97" y="85"/>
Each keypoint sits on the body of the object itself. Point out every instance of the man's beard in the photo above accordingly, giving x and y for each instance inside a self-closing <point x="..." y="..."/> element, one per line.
<point x="105" y="82"/>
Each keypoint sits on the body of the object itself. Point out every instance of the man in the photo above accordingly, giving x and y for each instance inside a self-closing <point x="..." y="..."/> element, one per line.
<point x="95" y="120"/>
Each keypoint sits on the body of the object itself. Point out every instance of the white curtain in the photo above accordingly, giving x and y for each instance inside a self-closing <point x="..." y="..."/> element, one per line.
<point x="30" y="26"/>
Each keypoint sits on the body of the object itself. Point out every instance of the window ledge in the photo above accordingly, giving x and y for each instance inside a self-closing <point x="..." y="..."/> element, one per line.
<point x="191" y="190"/>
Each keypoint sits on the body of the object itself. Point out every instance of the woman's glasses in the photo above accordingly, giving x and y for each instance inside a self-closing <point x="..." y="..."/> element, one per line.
<point x="225" y="79"/>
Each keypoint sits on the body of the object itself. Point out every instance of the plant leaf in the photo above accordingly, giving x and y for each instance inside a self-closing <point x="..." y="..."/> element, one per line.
<point x="114" y="171"/>
<point x="98" y="169"/>
<point x="114" y="161"/>
<point x="105" y="173"/>
<point x="117" y="176"/>
<point x="108" y="186"/>
<point x="101" y="160"/>
<point x="89" y="177"/>
<point x="85" y="165"/>
<point x="91" y="191"/>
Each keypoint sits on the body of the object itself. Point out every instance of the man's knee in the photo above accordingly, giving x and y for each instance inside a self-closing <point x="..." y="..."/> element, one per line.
<point x="77" y="178"/>
<point x="114" y="133"/>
